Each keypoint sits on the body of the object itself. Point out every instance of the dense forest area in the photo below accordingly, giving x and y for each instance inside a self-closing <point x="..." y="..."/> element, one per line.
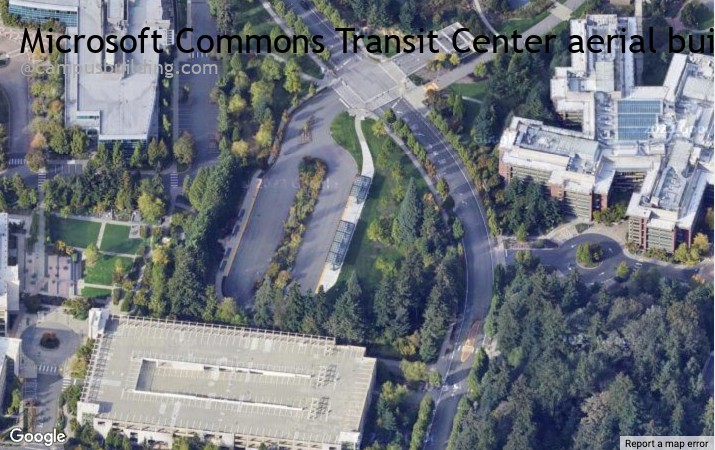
<point x="577" y="366"/>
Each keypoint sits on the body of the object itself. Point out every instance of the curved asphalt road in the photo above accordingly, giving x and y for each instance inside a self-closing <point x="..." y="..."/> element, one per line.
<point x="563" y="259"/>
<point x="265" y="227"/>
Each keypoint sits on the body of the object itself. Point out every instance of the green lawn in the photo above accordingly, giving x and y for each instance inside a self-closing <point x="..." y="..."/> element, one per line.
<point x="116" y="240"/>
<point x="343" y="131"/>
<point x="253" y="12"/>
<point x="389" y="160"/>
<point x="92" y="292"/>
<point x="475" y="90"/>
<point x="76" y="233"/>
<point x="103" y="269"/>
<point x="522" y="25"/>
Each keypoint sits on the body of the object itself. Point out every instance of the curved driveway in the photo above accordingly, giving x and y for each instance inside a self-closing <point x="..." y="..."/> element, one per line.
<point x="280" y="184"/>
<point x="563" y="259"/>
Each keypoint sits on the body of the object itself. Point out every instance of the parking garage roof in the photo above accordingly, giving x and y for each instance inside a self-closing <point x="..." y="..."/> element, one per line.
<point x="224" y="379"/>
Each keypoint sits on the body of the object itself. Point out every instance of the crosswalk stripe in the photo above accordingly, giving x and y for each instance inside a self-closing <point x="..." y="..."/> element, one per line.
<point x="174" y="179"/>
<point x="17" y="162"/>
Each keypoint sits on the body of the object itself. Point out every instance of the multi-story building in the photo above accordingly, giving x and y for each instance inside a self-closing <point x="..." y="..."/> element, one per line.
<point x="64" y="11"/>
<point x="9" y="362"/>
<point x="653" y="144"/>
<point x="9" y="279"/>
<point x="112" y="95"/>
<point x="154" y="380"/>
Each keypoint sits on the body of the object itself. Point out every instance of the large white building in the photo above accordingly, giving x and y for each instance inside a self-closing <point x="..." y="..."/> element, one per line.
<point x="654" y="142"/>
<point x="154" y="380"/>
<point x="112" y="94"/>
<point x="9" y="279"/>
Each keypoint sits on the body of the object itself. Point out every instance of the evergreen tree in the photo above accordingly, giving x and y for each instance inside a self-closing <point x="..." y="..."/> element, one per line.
<point x="347" y="321"/>
<point x="407" y="222"/>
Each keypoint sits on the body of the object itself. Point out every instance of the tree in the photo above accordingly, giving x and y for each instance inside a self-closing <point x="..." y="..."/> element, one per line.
<point x="35" y="158"/>
<point x="622" y="271"/>
<point x="264" y="136"/>
<point x="406" y="224"/>
<point x="91" y="254"/>
<point x="185" y="149"/>
<point x="151" y="208"/>
<point x="481" y="70"/>
<point x="292" y="83"/>
<point x="137" y="159"/>
<point x="408" y="15"/>
<point x="347" y="321"/>
<point x="157" y="153"/>
<point x="701" y="244"/>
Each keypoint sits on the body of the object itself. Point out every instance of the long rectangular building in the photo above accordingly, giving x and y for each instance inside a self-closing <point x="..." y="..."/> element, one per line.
<point x="654" y="143"/>
<point x="154" y="380"/>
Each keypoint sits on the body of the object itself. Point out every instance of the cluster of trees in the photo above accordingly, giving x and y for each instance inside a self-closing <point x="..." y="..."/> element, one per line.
<point x="589" y="254"/>
<point x="692" y="12"/>
<point x="393" y="419"/>
<point x="107" y="184"/>
<point x="46" y="90"/>
<point x="251" y="97"/>
<point x="311" y="174"/>
<point x="611" y="215"/>
<point x="695" y="253"/>
<point x="403" y="131"/>
<point x="15" y="194"/>
<point x="517" y="85"/>
<point x="194" y="259"/>
<point x="86" y="438"/>
<point x="295" y="23"/>
<point x="80" y="360"/>
<point x="579" y="366"/>
<point x="407" y="15"/>
<point x="528" y="209"/>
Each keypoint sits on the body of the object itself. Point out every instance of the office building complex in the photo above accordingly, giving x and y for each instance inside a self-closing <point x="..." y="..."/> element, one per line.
<point x="652" y="145"/>
<point x="9" y="279"/>
<point x="239" y="388"/>
<point x="9" y="363"/>
<point x="111" y="94"/>
<point x="64" y="11"/>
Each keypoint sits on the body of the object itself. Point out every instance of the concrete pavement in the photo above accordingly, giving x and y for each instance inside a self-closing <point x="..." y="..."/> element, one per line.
<point x="280" y="183"/>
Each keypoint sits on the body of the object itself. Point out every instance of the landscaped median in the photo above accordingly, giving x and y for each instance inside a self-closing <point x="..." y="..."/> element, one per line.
<point x="311" y="174"/>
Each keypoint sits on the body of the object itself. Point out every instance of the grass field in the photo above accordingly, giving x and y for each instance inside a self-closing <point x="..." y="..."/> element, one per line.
<point x="103" y="269"/>
<point x="116" y="240"/>
<point x="343" y="131"/>
<point x="253" y="12"/>
<point x="76" y="233"/>
<point x="477" y="90"/>
<point x="522" y="25"/>
<point x="388" y="159"/>
<point x="92" y="292"/>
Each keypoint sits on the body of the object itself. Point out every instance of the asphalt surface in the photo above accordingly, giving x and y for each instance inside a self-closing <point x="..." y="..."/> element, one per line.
<point x="563" y="259"/>
<point x="49" y="379"/>
<point x="264" y="230"/>
<point x="15" y="86"/>
<point x="197" y="114"/>
<point x="479" y="267"/>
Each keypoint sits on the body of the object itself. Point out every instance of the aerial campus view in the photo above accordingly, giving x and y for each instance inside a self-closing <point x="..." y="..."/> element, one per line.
<point x="356" y="224"/>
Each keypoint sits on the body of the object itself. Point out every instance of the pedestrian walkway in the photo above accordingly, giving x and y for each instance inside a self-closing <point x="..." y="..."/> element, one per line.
<point x="174" y="178"/>
<point x="41" y="178"/>
<point x="100" y="235"/>
<point x="47" y="369"/>
<point x="14" y="162"/>
<point x="29" y="389"/>
<point x="351" y="215"/>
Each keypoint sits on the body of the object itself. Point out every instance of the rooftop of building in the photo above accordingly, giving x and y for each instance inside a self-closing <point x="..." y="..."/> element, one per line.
<point x="70" y="5"/>
<point x="9" y="275"/>
<point x="224" y="379"/>
<point x="665" y="131"/>
<point x="115" y="93"/>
